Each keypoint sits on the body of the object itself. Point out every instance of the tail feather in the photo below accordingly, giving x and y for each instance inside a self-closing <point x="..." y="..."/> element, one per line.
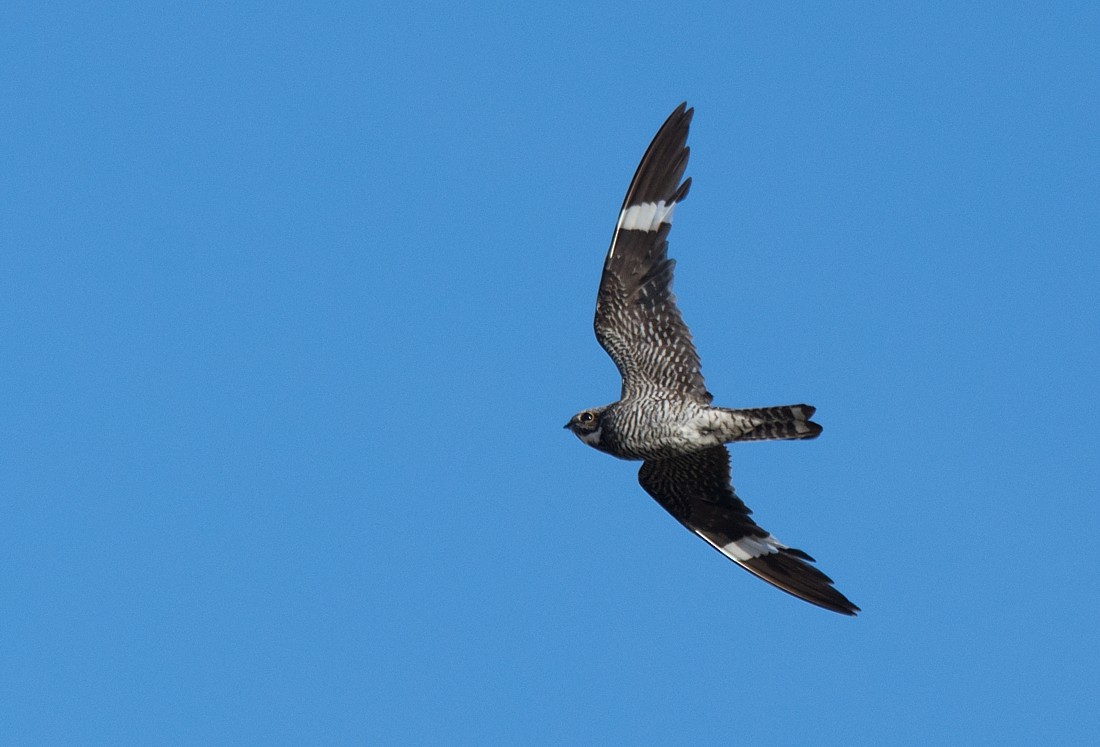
<point x="773" y="423"/>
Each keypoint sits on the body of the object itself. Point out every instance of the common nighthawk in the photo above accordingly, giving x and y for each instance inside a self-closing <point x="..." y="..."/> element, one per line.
<point x="664" y="416"/>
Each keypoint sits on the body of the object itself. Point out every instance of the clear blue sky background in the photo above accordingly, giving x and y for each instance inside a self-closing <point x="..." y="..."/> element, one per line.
<point x="295" y="301"/>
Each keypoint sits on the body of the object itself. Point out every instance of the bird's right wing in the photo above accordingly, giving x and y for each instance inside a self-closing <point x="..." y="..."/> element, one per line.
<point x="637" y="321"/>
<point x="695" y="488"/>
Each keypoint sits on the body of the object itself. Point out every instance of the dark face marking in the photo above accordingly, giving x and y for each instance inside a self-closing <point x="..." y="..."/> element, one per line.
<point x="586" y="426"/>
<point x="584" y="423"/>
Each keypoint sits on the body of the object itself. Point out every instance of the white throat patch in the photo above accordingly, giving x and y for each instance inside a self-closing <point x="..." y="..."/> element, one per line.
<point x="592" y="438"/>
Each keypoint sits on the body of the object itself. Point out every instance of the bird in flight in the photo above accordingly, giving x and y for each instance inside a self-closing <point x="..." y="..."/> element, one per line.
<point x="664" y="415"/>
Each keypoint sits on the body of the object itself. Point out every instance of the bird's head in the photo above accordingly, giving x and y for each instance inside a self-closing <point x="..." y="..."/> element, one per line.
<point x="587" y="425"/>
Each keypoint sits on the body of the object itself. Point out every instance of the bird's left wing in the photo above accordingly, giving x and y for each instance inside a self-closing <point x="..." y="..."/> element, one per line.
<point x="695" y="488"/>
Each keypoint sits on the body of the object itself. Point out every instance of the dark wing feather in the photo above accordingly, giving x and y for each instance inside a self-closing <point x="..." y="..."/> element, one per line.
<point x="696" y="490"/>
<point x="637" y="321"/>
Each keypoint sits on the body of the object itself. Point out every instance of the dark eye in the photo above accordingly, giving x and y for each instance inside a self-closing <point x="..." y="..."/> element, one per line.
<point x="587" y="417"/>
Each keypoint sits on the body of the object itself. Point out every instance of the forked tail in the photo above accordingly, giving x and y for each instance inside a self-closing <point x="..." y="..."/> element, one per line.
<point x="772" y="423"/>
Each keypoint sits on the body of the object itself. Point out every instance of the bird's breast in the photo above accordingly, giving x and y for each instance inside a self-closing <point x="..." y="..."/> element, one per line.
<point x="654" y="429"/>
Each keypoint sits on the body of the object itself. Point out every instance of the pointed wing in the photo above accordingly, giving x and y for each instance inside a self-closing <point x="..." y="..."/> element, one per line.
<point x="637" y="321"/>
<point x="696" y="489"/>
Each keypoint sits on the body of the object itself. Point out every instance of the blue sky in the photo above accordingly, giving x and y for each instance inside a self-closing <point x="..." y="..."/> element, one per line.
<point x="295" y="302"/>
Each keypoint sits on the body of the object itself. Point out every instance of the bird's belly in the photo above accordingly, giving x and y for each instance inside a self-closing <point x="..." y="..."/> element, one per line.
<point x="665" y="438"/>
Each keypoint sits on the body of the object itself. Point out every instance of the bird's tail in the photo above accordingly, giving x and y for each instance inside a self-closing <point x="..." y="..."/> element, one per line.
<point x="772" y="423"/>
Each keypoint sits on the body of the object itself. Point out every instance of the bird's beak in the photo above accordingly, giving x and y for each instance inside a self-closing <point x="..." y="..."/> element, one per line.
<point x="568" y="424"/>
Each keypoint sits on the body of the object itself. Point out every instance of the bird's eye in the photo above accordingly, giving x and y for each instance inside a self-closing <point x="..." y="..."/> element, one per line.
<point x="587" y="417"/>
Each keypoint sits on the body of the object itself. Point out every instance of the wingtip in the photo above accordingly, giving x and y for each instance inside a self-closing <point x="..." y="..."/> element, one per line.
<point x="681" y="116"/>
<point x="846" y="608"/>
<point x="791" y="573"/>
<point x="657" y="179"/>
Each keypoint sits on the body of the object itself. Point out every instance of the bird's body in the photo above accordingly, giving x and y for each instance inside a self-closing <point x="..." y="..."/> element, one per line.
<point x="659" y="428"/>
<point x="664" y="416"/>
